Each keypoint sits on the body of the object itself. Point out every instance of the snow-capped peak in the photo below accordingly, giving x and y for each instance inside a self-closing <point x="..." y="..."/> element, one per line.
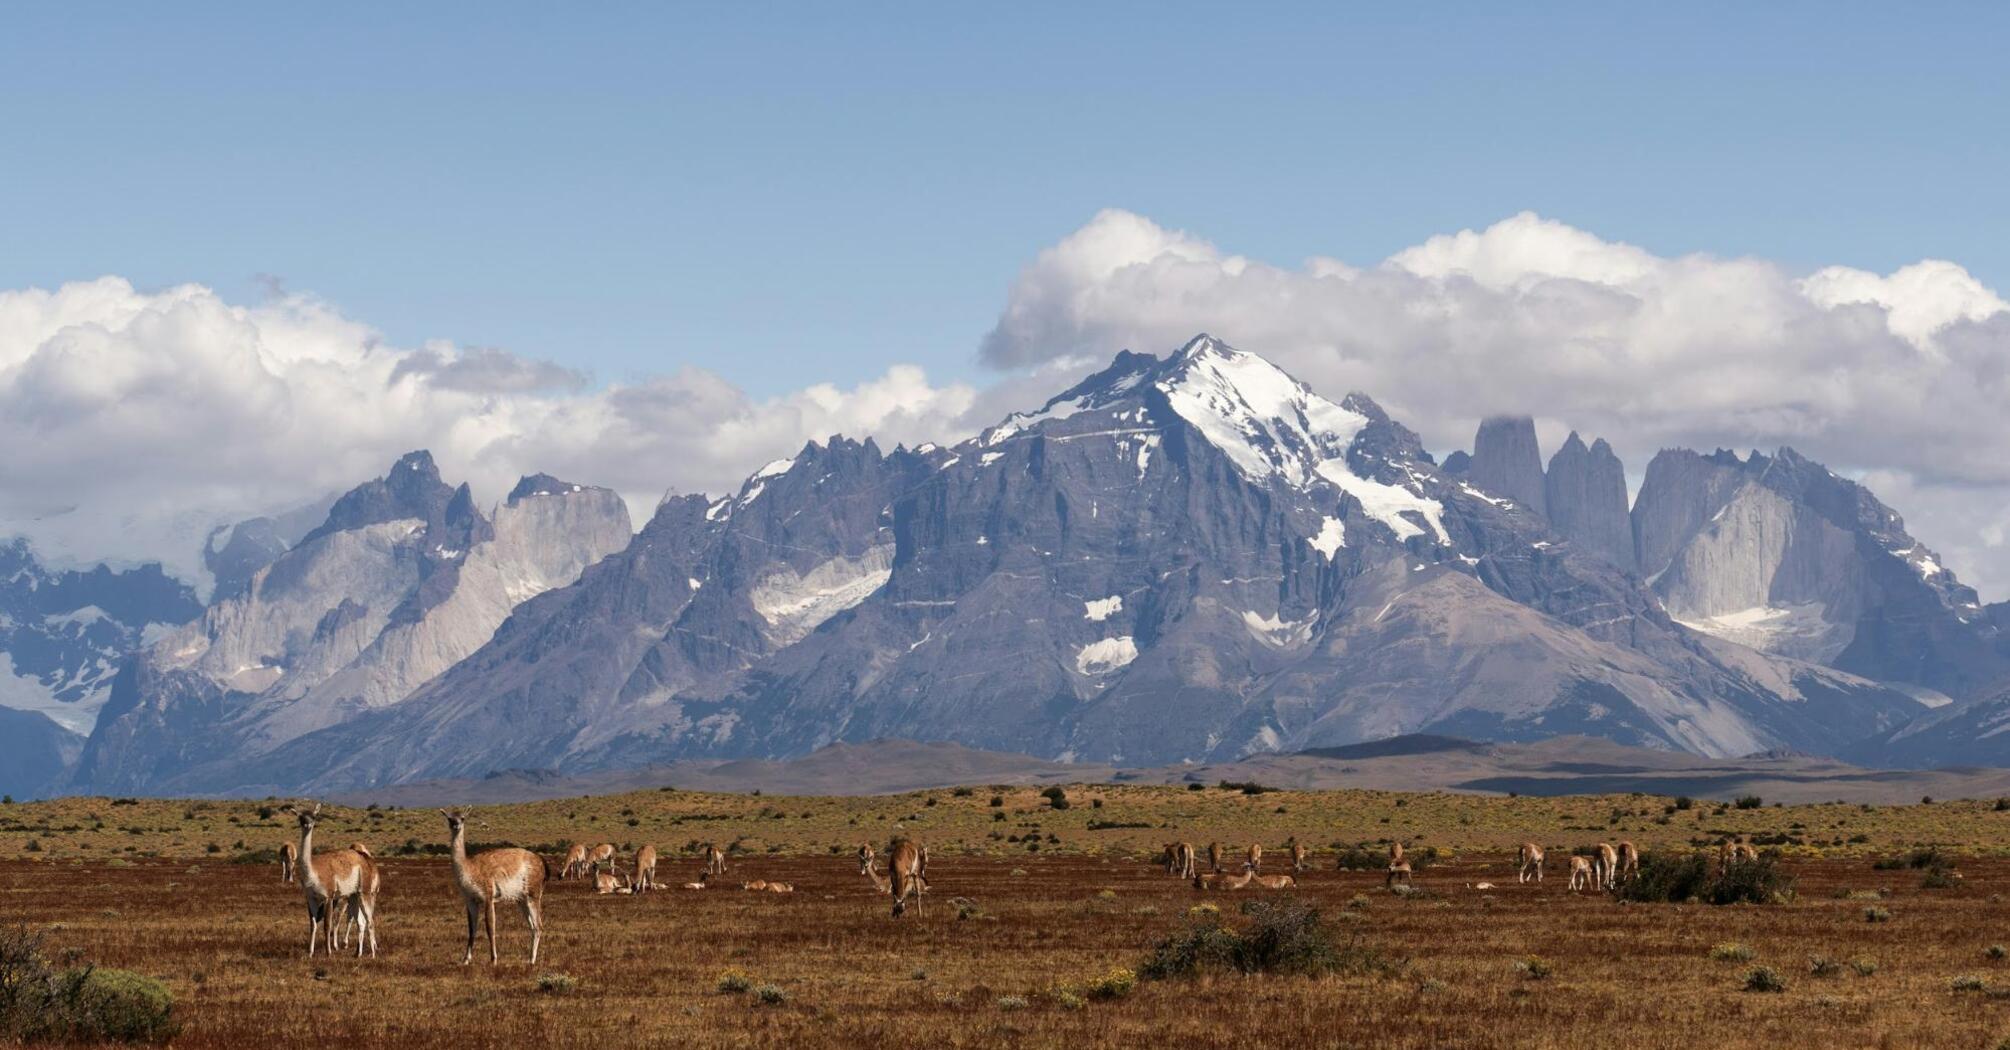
<point x="1267" y="423"/>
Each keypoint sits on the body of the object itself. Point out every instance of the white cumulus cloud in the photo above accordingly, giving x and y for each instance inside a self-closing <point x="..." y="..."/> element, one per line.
<point x="1898" y="377"/>
<point x="131" y="422"/>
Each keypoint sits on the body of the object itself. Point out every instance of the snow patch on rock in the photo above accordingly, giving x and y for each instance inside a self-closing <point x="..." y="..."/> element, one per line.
<point x="1105" y="656"/>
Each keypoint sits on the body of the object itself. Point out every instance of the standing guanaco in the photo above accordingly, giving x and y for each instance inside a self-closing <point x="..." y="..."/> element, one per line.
<point x="645" y="869"/>
<point x="341" y="879"/>
<point x="503" y="874"/>
<point x="286" y="856"/>
<point x="715" y="860"/>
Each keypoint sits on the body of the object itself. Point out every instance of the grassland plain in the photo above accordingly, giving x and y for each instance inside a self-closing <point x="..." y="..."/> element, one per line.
<point x="1010" y="925"/>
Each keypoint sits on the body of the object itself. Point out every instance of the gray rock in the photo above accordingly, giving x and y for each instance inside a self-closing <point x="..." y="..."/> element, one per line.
<point x="1507" y="461"/>
<point x="1781" y="554"/>
<point x="404" y="579"/>
<point x="1585" y="493"/>
<point x="1189" y="558"/>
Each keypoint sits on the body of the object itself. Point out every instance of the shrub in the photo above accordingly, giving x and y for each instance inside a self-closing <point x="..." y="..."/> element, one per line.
<point x="1764" y="979"/>
<point x="1666" y="879"/>
<point x="1749" y="802"/>
<point x="1996" y="952"/>
<point x="734" y="981"/>
<point x="1967" y="982"/>
<point x="83" y="1005"/>
<point x="770" y="995"/>
<point x="556" y="983"/>
<point x="1356" y="858"/>
<point x="1113" y="985"/>
<point x="1011" y="1002"/>
<point x="997" y="802"/>
<point x="1863" y="965"/>
<point x="1533" y="967"/>
<point x="1684" y="802"/>
<point x="1282" y="936"/>
<point x="1823" y="966"/>
<point x="1069" y="999"/>
<point x="1731" y="951"/>
<point x="963" y="792"/>
<point x="1876" y="914"/>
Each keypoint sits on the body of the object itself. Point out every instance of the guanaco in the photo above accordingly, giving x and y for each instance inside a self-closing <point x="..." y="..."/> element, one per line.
<point x="715" y="860"/>
<point x="503" y="874"/>
<point x="1529" y="862"/>
<point x="575" y="862"/>
<point x="904" y="878"/>
<point x="645" y="869"/>
<point x="286" y="855"/>
<point x="341" y="879"/>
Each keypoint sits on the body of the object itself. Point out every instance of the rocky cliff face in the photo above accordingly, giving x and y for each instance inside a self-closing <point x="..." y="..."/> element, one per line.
<point x="63" y="635"/>
<point x="1585" y="493"/>
<point x="1507" y="461"/>
<point x="404" y="579"/>
<point x="1191" y="557"/>
<point x="1781" y="554"/>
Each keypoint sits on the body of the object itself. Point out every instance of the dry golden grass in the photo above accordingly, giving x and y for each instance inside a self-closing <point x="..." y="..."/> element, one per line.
<point x="230" y="938"/>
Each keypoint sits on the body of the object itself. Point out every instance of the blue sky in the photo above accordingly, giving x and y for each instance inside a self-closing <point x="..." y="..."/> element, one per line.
<point x="786" y="195"/>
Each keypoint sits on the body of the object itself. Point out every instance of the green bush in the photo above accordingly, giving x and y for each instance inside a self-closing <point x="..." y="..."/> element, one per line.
<point x="1281" y="936"/>
<point x="85" y="1005"/>
<point x="1731" y="951"/>
<point x="734" y="981"/>
<point x="770" y="995"/>
<point x="556" y="983"/>
<point x="1665" y="879"/>
<point x="1764" y="979"/>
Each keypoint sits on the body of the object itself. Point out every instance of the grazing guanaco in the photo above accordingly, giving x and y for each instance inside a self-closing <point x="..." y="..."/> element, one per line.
<point x="1218" y="880"/>
<point x="1298" y="855"/>
<point x="503" y="874"/>
<point x="601" y="856"/>
<point x="645" y="869"/>
<point x="715" y="860"/>
<point x="1605" y="866"/>
<point x="904" y="878"/>
<point x="1214" y="856"/>
<point x="341" y="879"/>
<point x="1529" y="861"/>
<point x="1255" y="858"/>
<point x="1629" y="861"/>
<point x="1179" y="859"/>
<point x="575" y="862"/>
<point x="1580" y="872"/>
<point x="286" y="855"/>
<point x="1399" y="871"/>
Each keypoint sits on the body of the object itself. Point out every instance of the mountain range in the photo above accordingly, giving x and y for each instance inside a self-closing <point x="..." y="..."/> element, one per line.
<point x="1186" y="559"/>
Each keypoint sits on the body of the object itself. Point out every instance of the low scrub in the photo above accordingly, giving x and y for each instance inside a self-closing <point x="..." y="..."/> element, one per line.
<point x="1281" y="936"/>
<point x="88" y="1005"/>
<point x="1667" y="879"/>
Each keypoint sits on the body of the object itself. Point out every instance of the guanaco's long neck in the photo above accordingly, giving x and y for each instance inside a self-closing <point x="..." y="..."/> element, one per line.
<point x="460" y="856"/>
<point x="308" y="877"/>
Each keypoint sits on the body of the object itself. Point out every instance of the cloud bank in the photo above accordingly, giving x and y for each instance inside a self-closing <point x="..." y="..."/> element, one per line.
<point x="132" y="422"/>
<point x="1900" y="378"/>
